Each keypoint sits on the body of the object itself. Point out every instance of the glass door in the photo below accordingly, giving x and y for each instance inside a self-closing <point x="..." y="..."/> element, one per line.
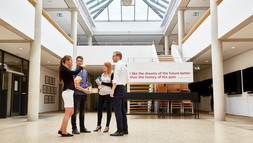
<point x="16" y="95"/>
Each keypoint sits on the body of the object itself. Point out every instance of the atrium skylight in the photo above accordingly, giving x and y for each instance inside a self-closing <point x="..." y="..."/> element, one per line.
<point x="139" y="10"/>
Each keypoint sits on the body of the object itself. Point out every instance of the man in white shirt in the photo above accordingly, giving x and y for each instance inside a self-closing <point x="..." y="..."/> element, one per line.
<point x="119" y="93"/>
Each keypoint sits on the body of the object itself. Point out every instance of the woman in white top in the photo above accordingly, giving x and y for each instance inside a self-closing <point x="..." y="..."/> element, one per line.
<point x="105" y="87"/>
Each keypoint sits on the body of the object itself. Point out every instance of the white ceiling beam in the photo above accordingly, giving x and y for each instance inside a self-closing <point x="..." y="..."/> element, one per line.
<point x="194" y="8"/>
<point x="128" y="34"/>
<point x="60" y="9"/>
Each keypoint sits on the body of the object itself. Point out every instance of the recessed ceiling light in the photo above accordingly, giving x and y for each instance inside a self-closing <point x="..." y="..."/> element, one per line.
<point x="232" y="47"/>
<point x="48" y="62"/>
<point x="206" y="61"/>
<point x="20" y="48"/>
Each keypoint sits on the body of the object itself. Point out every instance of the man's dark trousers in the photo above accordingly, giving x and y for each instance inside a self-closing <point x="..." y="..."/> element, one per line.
<point x="79" y="104"/>
<point x="119" y="108"/>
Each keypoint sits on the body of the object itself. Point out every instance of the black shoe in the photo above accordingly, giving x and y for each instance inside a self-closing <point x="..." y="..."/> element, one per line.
<point x="67" y="135"/>
<point x="125" y="132"/>
<point x="105" y="131"/>
<point x="59" y="132"/>
<point x="117" y="134"/>
<point x="84" y="130"/>
<point x="99" y="129"/>
<point x="75" y="131"/>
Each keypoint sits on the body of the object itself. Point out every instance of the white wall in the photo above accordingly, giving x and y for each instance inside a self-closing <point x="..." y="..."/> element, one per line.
<point x="198" y="41"/>
<point x="20" y="14"/>
<point x="53" y="40"/>
<point x="97" y="55"/>
<point x="240" y="104"/>
<point x="231" y="13"/>
<point x="48" y="107"/>
<point x="128" y="27"/>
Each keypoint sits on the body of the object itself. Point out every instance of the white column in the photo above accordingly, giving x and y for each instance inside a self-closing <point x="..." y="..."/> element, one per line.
<point x="74" y="35"/>
<point x="180" y="29"/>
<point x="166" y="44"/>
<point x="217" y="66"/>
<point x="34" y="67"/>
<point x="89" y="40"/>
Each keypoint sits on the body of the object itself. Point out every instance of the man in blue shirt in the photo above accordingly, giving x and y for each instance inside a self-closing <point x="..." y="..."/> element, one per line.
<point x="80" y="98"/>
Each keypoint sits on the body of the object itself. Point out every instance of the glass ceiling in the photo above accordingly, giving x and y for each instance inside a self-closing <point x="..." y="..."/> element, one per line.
<point x="139" y="10"/>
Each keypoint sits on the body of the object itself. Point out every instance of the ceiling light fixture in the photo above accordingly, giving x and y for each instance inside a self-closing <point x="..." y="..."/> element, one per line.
<point x="48" y="62"/>
<point x="206" y="61"/>
<point x="232" y="47"/>
<point x="20" y="48"/>
<point x="126" y="2"/>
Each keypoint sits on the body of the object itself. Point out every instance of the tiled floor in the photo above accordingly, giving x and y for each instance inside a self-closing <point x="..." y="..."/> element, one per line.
<point x="142" y="129"/>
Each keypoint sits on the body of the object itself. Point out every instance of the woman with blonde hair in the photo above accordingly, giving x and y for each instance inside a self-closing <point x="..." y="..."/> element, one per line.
<point x="105" y="86"/>
<point x="66" y="75"/>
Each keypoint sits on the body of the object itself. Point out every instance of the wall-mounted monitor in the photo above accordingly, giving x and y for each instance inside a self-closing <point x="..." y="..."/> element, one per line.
<point x="232" y="83"/>
<point x="248" y="80"/>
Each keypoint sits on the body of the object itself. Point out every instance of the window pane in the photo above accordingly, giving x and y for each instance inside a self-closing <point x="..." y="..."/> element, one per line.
<point x="25" y="67"/>
<point x="103" y="16"/>
<point x="138" y="11"/>
<point x="127" y="13"/>
<point x="141" y="10"/>
<point x="152" y="15"/>
<point x="12" y="63"/>
<point x="114" y="10"/>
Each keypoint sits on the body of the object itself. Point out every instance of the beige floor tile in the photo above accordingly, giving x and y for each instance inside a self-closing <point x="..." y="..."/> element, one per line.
<point x="142" y="129"/>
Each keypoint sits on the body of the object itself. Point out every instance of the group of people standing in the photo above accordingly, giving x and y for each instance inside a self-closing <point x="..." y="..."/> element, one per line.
<point x="111" y="88"/>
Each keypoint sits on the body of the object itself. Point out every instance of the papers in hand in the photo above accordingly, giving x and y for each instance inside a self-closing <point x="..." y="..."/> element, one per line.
<point x="77" y="80"/>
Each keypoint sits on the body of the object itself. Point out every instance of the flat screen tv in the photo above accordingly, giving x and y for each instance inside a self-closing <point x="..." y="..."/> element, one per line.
<point x="248" y="80"/>
<point x="232" y="83"/>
